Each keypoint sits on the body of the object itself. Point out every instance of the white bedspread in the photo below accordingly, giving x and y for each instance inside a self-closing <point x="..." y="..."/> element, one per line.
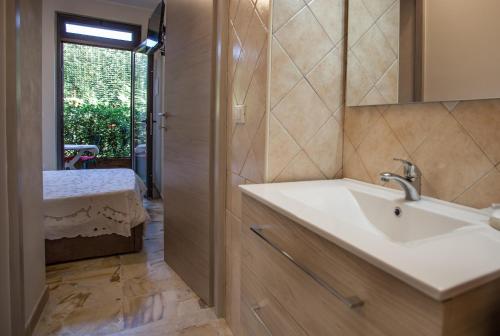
<point x="92" y="202"/>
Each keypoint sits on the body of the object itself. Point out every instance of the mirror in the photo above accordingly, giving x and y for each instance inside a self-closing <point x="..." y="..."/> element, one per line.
<point x="409" y="51"/>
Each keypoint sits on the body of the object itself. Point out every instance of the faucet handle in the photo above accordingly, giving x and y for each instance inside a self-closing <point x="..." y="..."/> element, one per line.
<point x="410" y="169"/>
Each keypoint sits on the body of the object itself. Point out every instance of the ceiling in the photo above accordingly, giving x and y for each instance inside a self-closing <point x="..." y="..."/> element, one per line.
<point x="148" y="4"/>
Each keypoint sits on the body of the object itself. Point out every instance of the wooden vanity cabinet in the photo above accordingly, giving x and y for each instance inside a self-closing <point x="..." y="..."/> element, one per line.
<point x="294" y="282"/>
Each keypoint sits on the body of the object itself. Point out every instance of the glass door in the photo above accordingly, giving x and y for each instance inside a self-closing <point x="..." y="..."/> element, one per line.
<point x="142" y="119"/>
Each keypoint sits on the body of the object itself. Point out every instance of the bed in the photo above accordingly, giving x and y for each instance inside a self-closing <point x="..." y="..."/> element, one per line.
<point x="92" y="213"/>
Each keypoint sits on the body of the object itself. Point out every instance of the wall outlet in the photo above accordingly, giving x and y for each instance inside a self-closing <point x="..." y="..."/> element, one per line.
<point x="239" y="114"/>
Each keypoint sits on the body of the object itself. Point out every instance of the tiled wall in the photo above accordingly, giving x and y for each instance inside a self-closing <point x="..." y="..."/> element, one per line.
<point x="373" y="52"/>
<point x="457" y="147"/>
<point x="248" y="85"/>
<point x="306" y="90"/>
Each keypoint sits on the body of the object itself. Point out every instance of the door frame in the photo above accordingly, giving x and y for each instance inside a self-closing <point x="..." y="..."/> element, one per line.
<point x="220" y="148"/>
<point x="63" y="37"/>
<point x="149" y="122"/>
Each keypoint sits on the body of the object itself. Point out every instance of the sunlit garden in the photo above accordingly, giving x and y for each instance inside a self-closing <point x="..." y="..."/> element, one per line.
<point x="97" y="98"/>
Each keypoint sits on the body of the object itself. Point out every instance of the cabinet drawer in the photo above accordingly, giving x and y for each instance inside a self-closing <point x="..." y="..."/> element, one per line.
<point x="261" y="313"/>
<point x="315" y="279"/>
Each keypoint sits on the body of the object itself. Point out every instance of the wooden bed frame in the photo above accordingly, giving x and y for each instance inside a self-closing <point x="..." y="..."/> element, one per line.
<point x="72" y="249"/>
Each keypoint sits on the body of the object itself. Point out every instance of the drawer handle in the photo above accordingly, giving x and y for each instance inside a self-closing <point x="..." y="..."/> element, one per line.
<point x="255" y="311"/>
<point x="351" y="302"/>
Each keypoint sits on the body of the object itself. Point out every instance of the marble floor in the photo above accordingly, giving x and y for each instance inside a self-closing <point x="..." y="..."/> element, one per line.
<point x="134" y="294"/>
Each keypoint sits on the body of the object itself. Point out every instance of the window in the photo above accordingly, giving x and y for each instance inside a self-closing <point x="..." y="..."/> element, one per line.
<point x="98" y="32"/>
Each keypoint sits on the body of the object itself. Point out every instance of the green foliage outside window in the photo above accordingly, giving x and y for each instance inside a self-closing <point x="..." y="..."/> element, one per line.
<point x="108" y="127"/>
<point x="97" y="96"/>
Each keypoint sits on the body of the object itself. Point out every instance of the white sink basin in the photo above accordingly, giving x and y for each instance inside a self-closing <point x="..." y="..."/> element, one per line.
<point x="381" y="213"/>
<point x="441" y="248"/>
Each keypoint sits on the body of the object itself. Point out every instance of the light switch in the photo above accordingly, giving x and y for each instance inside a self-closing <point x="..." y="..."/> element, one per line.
<point x="239" y="112"/>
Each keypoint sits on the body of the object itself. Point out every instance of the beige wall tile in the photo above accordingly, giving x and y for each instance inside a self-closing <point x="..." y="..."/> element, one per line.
<point x="348" y="150"/>
<point x="252" y="47"/>
<point x="259" y="148"/>
<point x="374" y="53"/>
<point x="283" y="10"/>
<point x="359" y="83"/>
<point x="301" y="35"/>
<point x="282" y="148"/>
<point x="325" y="148"/>
<point x="301" y="168"/>
<point x="355" y="169"/>
<point x="378" y="7"/>
<point x="233" y="8"/>
<point x="360" y="20"/>
<point x="484" y="192"/>
<point x="284" y="74"/>
<point x="255" y="101"/>
<point x="358" y="121"/>
<point x="330" y="14"/>
<point x="302" y="113"/>
<point x="234" y="196"/>
<point x="481" y="119"/>
<point x="240" y="146"/>
<point x="450" y="160"/>
<point x="414" y="122"/>
<point x="235" y="51"/>
<point x="450" y="105"/>
<point x="374" y="97"/>
<point x="242" y="18"/>
<point x="389" y="25"/>
<point x="388" y="84"/>
<point x="251" y="170"/>
<point x="327" y="79"/>
<point x="263" y="7"/>
<point x="379" y="148"/>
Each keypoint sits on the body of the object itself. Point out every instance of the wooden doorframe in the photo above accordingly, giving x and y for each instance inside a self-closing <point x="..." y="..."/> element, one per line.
<point x="219" y="159"/>
<point x="10" y="179"/>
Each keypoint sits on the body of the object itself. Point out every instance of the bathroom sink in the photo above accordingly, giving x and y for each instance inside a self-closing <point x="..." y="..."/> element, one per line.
<point x="438" y="247"/>
<point x="381" y="212"/>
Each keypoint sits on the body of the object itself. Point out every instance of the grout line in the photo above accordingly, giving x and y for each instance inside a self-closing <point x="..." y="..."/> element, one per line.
<point x="375" y="20"/>
<point x="367" y="132"/>
<point x="296" y="68"/>
<point x="479" y="179"/>
<point x="319" y="22"/>
<point x="290" y="19"/>
<point x="367" y="75"/>
<point x="407" y="152"/>
<point x="473" y="139"/>
<point x="293" y="139"/>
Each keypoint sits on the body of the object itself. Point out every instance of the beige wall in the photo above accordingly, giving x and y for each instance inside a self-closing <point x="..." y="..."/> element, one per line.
<point x="290" y="79"/>
<point x="373" y="52"/>
<point x="246" y="163"/>
<point x="93" y="8"/>
<point x="457" y="147"/>
<point x="306" y="90"/>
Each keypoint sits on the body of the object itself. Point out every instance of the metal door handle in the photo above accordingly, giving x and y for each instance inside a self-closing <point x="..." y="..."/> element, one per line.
<point x="255" y="311"/>
<point x="351" y="302"/>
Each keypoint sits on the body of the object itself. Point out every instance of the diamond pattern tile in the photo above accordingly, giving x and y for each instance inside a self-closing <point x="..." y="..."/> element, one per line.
<point x="302" y="113"/>
<point x="284" y="10"/>
<point x="373" y="52"/>
<point x="302" y="35"/>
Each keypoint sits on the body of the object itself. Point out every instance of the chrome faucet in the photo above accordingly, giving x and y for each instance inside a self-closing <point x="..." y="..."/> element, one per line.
<point x="411" y="182"/>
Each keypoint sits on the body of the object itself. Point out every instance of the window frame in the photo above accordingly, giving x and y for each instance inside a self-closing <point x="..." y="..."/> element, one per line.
<point x="64" y="37"/>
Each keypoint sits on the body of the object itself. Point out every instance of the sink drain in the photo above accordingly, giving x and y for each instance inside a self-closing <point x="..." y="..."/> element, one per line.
<point x="398" y="212"/>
